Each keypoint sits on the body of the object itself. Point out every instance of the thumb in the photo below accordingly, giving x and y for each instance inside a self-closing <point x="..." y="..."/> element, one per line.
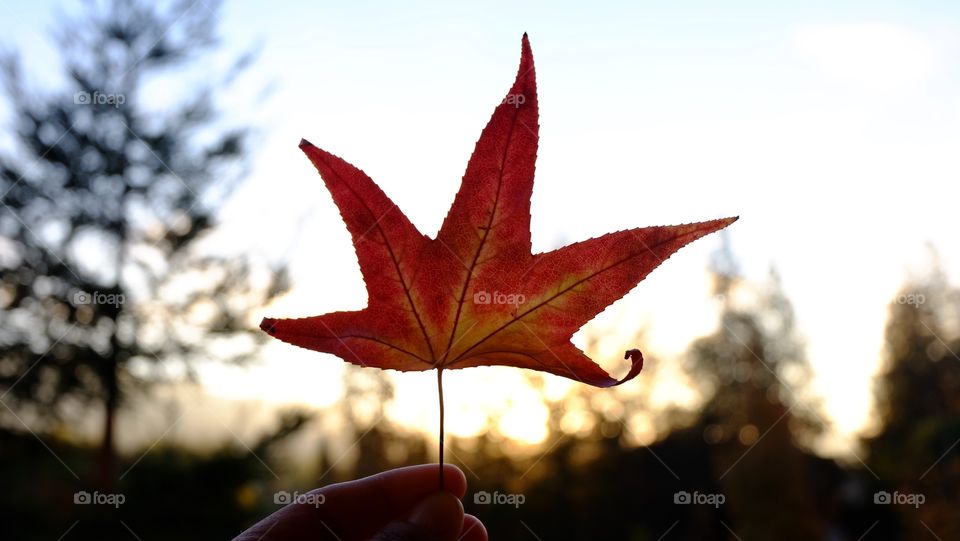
<point x="438" y="517"/>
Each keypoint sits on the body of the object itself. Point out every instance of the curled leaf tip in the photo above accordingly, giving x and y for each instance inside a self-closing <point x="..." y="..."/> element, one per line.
<point x="636" y="366"/>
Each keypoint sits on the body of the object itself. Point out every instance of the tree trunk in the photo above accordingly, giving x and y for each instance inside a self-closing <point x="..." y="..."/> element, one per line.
<point x="106" y="458"/>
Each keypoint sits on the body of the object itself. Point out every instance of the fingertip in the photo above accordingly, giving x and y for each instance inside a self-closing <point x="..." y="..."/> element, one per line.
<point x="473" y="529"/>
<point x="440" y="515"/>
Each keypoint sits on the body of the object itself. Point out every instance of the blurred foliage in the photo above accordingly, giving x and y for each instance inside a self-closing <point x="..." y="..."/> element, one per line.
<point x="747" y="442"/>
<point x="168" y="493"/>
<point x="106" y="200"/>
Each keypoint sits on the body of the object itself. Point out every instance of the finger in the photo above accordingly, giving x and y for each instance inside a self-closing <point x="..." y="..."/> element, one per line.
<point x="472" y="530"/>
<point x="399" y="483"/>
<point x="360" y="508"/>
<point x="439" y="517"/>
<point x="357" y="509"/>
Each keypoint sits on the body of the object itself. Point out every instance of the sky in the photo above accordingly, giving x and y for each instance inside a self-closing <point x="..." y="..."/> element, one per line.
<point x="830" y="129"/>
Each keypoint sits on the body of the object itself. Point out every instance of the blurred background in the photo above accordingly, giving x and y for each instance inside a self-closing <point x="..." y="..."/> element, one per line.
<point x="802" y="377"/>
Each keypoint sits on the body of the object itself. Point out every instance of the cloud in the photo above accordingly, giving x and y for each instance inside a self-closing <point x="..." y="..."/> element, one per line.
<point x="878" y="56"/>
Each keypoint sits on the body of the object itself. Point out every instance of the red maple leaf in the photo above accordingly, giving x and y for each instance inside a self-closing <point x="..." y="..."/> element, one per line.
<point x="475" y="295"/>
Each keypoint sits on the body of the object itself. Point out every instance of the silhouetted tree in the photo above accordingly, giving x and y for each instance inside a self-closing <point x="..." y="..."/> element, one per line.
<point x="915" y="451"/>
<point x="753" y="372"/>
<point x="106" y="200"/>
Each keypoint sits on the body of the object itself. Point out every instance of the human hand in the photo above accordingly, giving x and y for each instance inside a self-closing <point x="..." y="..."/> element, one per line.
<point x="397" y="505"/>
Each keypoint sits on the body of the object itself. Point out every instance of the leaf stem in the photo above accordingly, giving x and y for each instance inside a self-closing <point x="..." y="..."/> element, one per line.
<point x="440" y="392"/>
